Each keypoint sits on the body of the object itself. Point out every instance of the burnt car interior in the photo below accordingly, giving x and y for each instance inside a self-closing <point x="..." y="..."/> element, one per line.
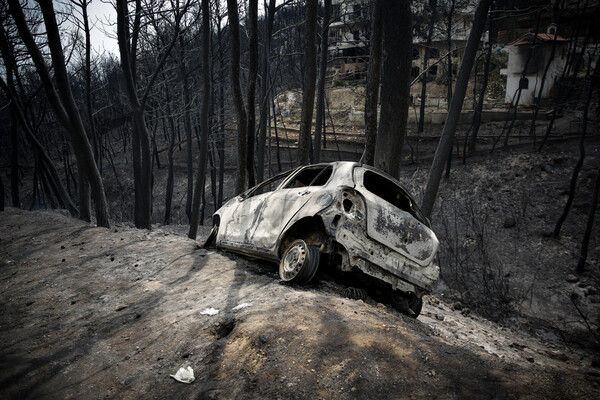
<point x="388" y="191"/>
<point x="311" y="177"/>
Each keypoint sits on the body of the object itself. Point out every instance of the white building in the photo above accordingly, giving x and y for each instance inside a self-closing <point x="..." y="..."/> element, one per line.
<point x="348" y="43"/>
<point x="528" y="57"/>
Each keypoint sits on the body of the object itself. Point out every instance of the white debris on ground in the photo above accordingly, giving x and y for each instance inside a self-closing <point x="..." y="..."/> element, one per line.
<point x="209" y="311"/>
<point x="241" y="306"/>
<point x="184" y="375"/>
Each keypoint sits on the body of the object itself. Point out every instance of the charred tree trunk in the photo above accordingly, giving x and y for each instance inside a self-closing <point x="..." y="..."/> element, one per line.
<point x="242" y="121"/>
<point x="479" y="108"/>
<point x="88" y="82"/>
<point x="14" y="158"/>
<point x="373" y="76"/>
<point x="445" y="145"/>
<point x="431" y="24"/>
<point x="310" y="77"/>
<point x="251" y="91"/>
<point x="450" y="72"/>
<point x="220" y="141"/>
<point x="265" y="94"/>
<point x="588" y="229"/>
<point x="170" y="175"/>
<point x="1" y="195"/>
<point x="206" y="91"/>
<point x="187" y="125"/>
<point x="320" y="117"/>
<point x="395" y="84"/>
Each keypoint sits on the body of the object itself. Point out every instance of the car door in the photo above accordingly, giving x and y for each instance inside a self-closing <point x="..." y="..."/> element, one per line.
<point x="283" y="204"/>
<point x="241" y="220"/>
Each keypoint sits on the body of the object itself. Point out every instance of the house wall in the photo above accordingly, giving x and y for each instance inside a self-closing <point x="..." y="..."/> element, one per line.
<point x="517" y="61"/>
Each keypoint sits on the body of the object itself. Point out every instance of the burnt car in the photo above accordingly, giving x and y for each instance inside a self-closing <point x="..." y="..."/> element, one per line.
<point x="354" y="216"/>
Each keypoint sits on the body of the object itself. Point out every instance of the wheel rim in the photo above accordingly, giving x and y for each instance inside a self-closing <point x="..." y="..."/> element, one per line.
<point x="294" y="260"/>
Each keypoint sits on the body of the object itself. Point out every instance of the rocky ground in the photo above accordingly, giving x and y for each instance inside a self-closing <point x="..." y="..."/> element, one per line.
<point x="90" y="312"/>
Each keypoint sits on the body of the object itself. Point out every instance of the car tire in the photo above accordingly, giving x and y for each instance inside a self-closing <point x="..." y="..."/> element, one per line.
<point x="407" y="303"/>
<point x="299" y="263"/>
<point x="416" y="305"/>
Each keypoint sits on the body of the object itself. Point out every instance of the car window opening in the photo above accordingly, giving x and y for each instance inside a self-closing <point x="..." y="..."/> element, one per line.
<point x="311" y="177"/>
<point x="268" y="186"/>
<point x="388" y="191"/>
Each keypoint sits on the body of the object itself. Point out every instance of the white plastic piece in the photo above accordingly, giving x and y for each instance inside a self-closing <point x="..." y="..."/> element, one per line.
<point x="210" y="311"/>
<point x="184" y="375"/>
<point x="240" y="306"/>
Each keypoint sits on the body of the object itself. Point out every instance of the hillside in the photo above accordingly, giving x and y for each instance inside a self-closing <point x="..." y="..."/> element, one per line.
<point x="109" y="313"/>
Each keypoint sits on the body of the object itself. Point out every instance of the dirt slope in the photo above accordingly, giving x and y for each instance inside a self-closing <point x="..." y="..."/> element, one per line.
<point x="95" y="313"/>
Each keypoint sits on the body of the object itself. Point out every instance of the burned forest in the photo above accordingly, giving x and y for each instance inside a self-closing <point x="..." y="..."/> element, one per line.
<point x="300" y="199"/>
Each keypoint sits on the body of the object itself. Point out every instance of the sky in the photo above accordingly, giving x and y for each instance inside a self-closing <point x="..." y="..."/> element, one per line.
<point x="104" y="33"/>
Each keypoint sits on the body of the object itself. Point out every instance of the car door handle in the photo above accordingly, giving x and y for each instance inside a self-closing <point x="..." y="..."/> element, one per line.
<point x="304" y="193"/>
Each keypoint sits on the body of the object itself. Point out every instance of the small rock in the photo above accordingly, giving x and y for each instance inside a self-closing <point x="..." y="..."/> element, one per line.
<point x="591" y="372"/>
<point x="517" y="346"/>
<point x="572" y="278"/>
<point x="509" y="222"/>
<point x="575" y="296"/>
<point x="558" y="356"/>
<point x="263" y="339"/>
<point x="121" y="307"/>
<point x="530" y="359"/>
<point x="457" y="306"/>
<point x="439" y="317"/>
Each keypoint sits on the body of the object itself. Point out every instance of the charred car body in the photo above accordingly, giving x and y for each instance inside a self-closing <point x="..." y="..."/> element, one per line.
<point x="352" y="215"/>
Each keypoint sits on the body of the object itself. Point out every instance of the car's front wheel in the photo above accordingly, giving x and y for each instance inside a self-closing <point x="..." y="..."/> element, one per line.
<point x="299" y="262"/>
<point x="212" y="237"/>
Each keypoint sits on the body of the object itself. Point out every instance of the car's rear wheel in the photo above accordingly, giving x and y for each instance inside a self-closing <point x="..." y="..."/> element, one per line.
<point x="299" y="262"/>
<point x="416" y="305"/>
<point x="407" y="303"/>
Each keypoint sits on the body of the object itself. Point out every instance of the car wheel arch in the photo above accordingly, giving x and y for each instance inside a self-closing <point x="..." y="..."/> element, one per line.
<point x="311" y="229"/>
